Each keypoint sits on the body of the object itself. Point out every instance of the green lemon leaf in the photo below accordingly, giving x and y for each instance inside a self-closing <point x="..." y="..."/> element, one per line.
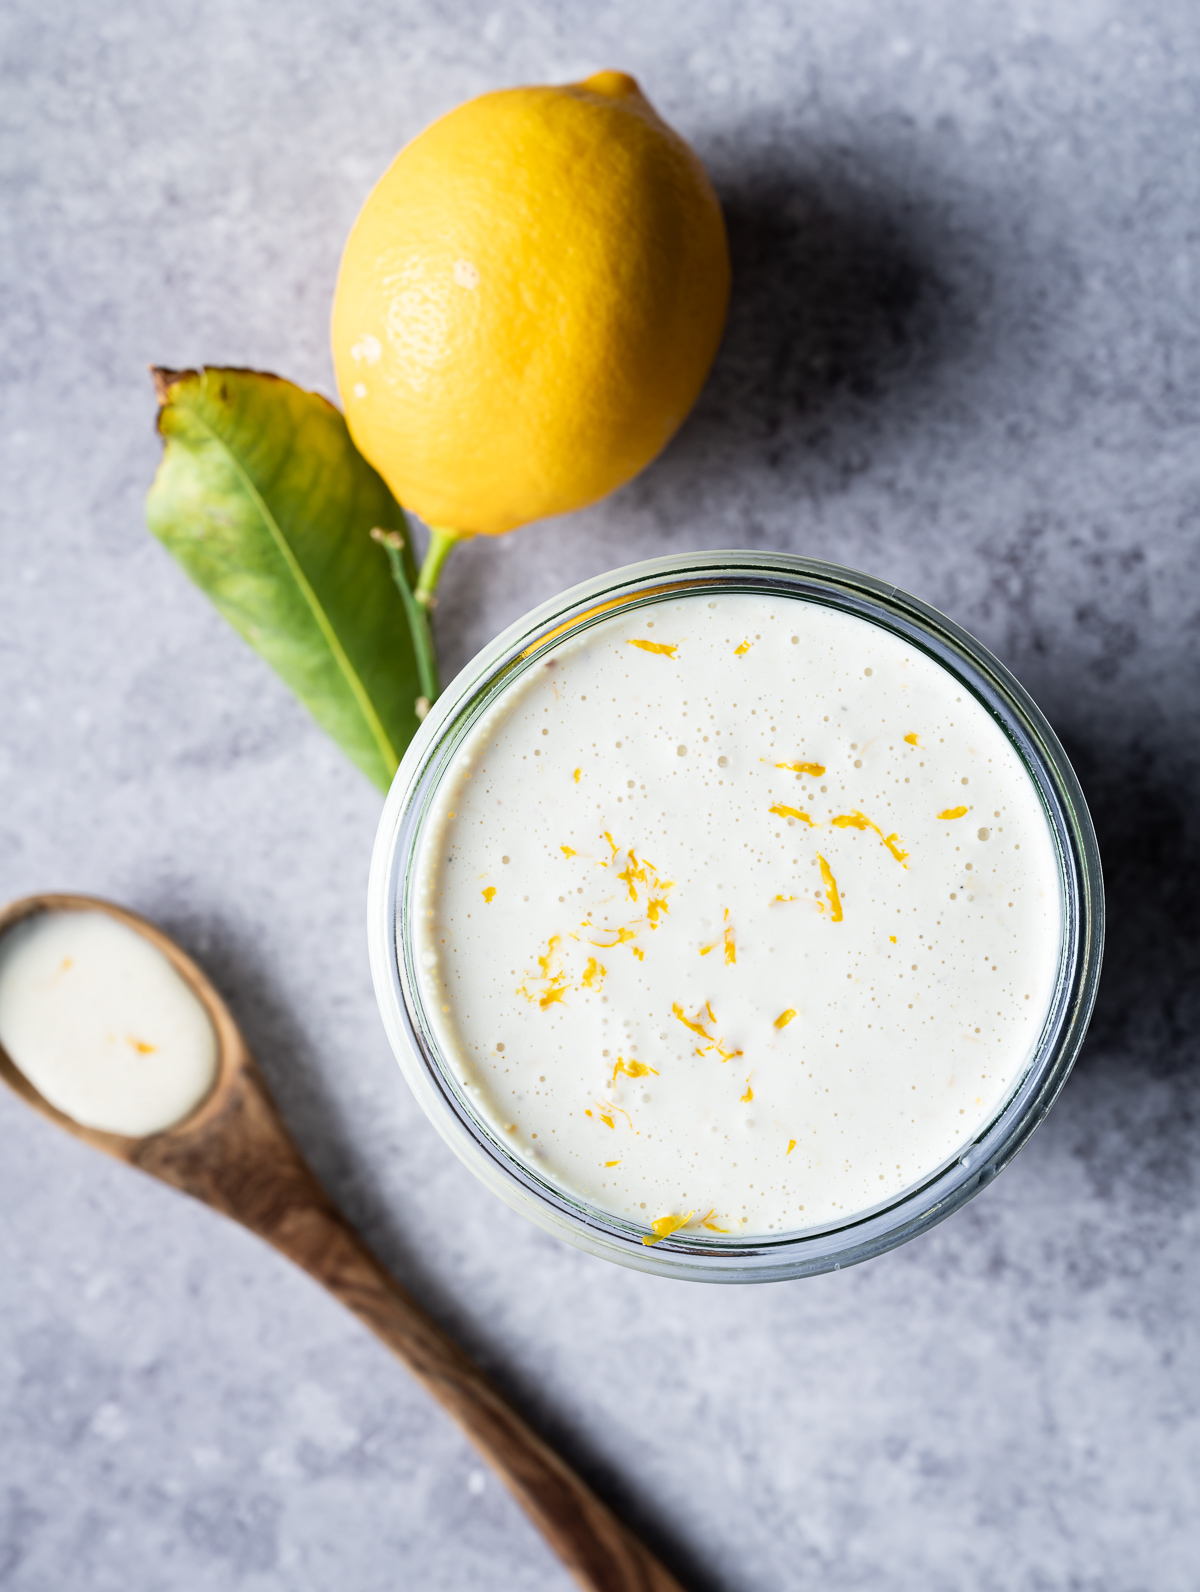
<point x="269" y="507"/>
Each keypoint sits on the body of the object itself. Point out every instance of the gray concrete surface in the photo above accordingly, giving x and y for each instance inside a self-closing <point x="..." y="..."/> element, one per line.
<point x="964" y="354"/>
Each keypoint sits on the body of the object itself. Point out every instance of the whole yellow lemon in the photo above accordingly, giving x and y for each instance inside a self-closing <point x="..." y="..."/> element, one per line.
<point x="529" y="303"/>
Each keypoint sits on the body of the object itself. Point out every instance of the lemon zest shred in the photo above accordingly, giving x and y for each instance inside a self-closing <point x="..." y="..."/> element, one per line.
<point x="831" y="890"/>
<point x="653" y="908"/>
<point x="623" y="938"/>
<point x="608" y="1122"/>
<point x="852" y="821"/>
<point x="593" y="973"/>
<point x="791" y="812"/>
<point x="142" y="1047"/>
<point x="576" y="775"/>
<point x="705" y="949"/>
<point x="632" y="1069"/>
<point x="749" y="1094"/>
<point x="783" y="898"/>
<point x="664" y="1226"/>
<point x="567" y="851"/>
<point x="552" y="945"/>
<point x="696" y="1028"/>
<point x="791" y="1147"/>
<point x="730" y="947"/>
<point x="785" y="1018"/>
<point x="740" y="652"/>
<point x="490" y="893"/>
<point x="640" y="954"/>
<point x="953" y="812"/>
<point x="816" y="769"/>
<point x="911" y="738"/>
<point x="617" y="1162"/>
<point x="556" y="981"/>
<point x="857" y="820"/>
<point x="892" y="938"/>
<point x="668" y="649"/>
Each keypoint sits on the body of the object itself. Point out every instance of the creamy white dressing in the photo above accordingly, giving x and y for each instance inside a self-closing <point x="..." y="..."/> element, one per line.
<point x="101" y="1024"/>
<point x="740" y="914"/>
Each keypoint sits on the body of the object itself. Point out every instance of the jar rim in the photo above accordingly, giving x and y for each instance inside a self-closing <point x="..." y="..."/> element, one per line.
<point x="758" y="1258"/>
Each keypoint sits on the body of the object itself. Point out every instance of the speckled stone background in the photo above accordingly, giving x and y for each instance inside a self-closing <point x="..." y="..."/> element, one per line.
<point x="964" y="354"/>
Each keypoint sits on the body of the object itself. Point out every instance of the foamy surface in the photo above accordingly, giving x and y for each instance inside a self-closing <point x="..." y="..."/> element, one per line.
<point x="740" y="915"/>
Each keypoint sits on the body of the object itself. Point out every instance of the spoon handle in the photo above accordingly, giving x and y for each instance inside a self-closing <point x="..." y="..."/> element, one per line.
<point x="243" y="1162"/>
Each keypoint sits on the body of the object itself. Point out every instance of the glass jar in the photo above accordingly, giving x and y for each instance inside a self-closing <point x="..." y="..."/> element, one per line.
<point x="699" y="1256"/>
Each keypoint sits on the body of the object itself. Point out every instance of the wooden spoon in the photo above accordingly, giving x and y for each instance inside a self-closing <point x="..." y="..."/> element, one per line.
<point x="234" y="1153"/>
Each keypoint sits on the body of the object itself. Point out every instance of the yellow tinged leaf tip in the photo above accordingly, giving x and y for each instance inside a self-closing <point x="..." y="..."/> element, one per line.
<point x="911" y="738"/>
<point x="567" y="851"/>
<point x="816" y="769"/>
<point x="665" y="1226"/>
<point x="953" y="812"/>
<point x="791" y="1147"/>
<point x="489" y="893"/>
<point x="740" y="652"/>
<point x="791" y="812"/>
<point x="668" y="650"/>
<point x="785" y="1018"/>
<point x="831" y="890"/>
<point x="576" y="775"/>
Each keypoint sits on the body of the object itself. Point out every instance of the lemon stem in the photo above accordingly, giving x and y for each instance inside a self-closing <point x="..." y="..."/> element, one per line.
<point x="417" y="614"/>
<point x="441" y="542"/>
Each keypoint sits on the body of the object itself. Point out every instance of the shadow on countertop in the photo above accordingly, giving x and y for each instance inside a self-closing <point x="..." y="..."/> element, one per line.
<point x="1145" y="812"/>
<point x="846" y="301"/>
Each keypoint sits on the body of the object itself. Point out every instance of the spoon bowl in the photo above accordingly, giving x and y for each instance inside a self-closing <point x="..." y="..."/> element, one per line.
<point x="233" y="1152"/>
